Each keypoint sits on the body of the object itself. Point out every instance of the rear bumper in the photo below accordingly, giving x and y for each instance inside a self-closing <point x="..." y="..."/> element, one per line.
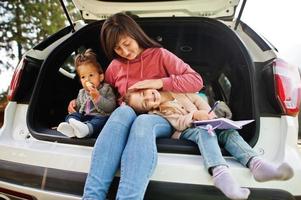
<point x="33" y="182"/>
<point x="155" y="191"/>
<point x="175" y="191"/>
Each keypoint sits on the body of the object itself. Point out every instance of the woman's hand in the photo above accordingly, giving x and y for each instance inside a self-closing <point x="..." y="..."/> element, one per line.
<point x="152" y="83"/>
<point x="71" y="106"/>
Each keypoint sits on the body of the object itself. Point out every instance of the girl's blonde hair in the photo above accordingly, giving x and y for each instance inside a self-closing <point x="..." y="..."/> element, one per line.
<point x="126" y="99"/>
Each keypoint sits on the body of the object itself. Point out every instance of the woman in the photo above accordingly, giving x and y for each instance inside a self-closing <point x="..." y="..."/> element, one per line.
<point x="128" y="141"/>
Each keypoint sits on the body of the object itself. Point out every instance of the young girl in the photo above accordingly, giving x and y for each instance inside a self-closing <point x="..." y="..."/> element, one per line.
<point x="180" y="109"/>
<point x="94" y="102"/>
<point x="128" y="141"/>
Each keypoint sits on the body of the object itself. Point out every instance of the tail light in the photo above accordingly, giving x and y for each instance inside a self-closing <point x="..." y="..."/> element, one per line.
<point x="14" y="84"/>
<point x="287" y="86"/>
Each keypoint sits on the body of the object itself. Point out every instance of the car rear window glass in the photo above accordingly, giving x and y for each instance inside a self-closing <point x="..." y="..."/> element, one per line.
<point x="225" y="84"/>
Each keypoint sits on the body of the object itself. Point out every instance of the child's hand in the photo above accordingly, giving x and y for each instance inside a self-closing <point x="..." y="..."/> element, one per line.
<point x="89" y="85"/>
<point x="92" y="90"/>
<point x="71" y="106"/>
<point x="202" y="115"/>
<point x="94" y="93"/>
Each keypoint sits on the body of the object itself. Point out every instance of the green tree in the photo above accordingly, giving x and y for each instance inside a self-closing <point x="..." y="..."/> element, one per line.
<point x="24" y="23"/>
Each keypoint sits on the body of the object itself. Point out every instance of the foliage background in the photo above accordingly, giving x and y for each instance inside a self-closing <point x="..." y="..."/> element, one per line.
<point x="25" y="23"/>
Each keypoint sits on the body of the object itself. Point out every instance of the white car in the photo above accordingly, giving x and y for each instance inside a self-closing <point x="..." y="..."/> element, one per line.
<point x="238" y="67"/>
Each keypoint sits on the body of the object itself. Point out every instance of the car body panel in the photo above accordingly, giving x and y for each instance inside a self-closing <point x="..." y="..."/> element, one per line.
<point x="175" y="168"/>
<point x="52" y="161"/>
<point x="95" y="10"/>
<point x="36" y="193"/>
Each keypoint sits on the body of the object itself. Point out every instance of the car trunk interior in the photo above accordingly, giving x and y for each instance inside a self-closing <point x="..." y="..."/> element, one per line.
<point x="208" y="46"/>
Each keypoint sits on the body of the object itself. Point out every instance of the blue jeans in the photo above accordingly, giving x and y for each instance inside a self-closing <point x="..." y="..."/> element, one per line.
<point x="127" y="141"/>
<point x="209" y="146"/>
<point x="94" y="123"/>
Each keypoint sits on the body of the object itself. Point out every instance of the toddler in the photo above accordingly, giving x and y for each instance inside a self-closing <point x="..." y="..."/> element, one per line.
<point x="95" y="101"/>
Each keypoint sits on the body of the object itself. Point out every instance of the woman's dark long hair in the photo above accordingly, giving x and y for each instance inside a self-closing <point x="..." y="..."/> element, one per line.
<point x="119" y="25"/>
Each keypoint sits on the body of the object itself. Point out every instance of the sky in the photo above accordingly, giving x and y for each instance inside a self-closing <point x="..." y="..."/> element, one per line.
<point x="276" y="20"/>
<point x="279" y="22"/>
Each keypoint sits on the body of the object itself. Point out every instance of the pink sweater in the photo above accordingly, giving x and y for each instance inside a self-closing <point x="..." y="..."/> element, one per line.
<point x="153" y="63"/>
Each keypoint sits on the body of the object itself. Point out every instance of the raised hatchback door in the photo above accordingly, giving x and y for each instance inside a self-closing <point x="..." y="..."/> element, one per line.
<point x="95" y="10"/>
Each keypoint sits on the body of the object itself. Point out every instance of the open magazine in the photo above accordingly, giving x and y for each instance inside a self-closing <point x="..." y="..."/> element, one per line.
<point x="222" y="123"/>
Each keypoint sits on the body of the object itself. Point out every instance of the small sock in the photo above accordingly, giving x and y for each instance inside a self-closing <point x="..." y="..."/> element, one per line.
<point x="66" y="129"/>
<point x="265" y="171"/>
<point x="224" y="181"/>
<point x="81" y="129"/>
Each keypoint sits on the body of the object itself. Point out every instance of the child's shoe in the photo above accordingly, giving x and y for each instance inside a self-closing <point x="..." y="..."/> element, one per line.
<point x="66" y="129"/>
<point x="81" y="129"/>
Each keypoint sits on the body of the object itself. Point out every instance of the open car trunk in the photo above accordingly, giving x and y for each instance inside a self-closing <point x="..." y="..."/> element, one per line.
<point x="207" y="45"/>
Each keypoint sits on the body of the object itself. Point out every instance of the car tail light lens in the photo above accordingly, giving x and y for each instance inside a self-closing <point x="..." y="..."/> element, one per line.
<point x="288" y="86"/>
<point x="14" y="84"/>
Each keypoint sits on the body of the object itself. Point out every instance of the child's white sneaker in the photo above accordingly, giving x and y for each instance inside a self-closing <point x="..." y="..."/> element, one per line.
<point x="66" y="129"/>
<point x="81" y="129"/>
